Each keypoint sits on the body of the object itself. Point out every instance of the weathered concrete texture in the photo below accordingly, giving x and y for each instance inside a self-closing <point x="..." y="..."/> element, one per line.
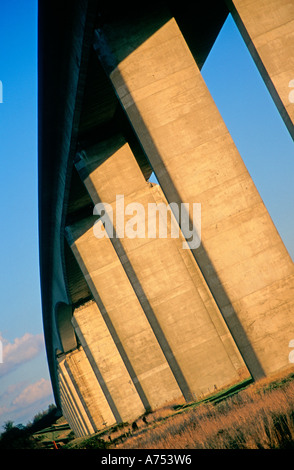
<point x="164" y="278"/>
<point x="164" y="323"/>
<point x="267" y="27"/>
<point x="78" y="418"/>
<point x="69" y="411"/>
<point x="93" y="407"/>
<point x="242" y="257"/>
<point x="107" y="363"/>
<point x="124" y="318"/>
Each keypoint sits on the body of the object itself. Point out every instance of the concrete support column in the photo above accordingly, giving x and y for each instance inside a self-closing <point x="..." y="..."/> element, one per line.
<point x="242" y="257"/>
<point x="171" y="290"/>
<point x="89" y="389"/>
<point x="68" y="412"/>
<point x="75" y="404"/>
<point x="267" y="27"/>
<point x="107" y="364"/>
<point x="125" y="319"/>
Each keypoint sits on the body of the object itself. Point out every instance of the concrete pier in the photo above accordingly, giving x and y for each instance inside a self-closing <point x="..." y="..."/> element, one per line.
<point x="242" y="257"/>
<point x="168" y="310"/>
<point x="136" y="318"/>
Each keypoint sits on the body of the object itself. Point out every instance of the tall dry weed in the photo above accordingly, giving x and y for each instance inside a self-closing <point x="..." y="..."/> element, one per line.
<point x="256" y="418"/>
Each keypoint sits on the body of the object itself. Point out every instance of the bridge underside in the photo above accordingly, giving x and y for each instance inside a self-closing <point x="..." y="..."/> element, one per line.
<point x="131" y="324"/>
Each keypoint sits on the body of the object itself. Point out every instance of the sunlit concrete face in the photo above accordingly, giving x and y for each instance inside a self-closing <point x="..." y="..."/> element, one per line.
<point x="184" y="321"/>
<point x="93" y="405"/>
<point x="72" y="405"/>
<point x="109" y="368"/>
<point x="158" y="321"/>
<point x="242" y="257"/>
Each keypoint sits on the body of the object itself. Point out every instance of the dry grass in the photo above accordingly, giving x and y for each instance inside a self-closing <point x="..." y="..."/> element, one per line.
<point x="259" y="417"/>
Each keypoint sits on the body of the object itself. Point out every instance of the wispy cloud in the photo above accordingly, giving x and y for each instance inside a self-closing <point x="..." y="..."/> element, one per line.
<point x="25" y="401"/>
<point x="11" y="391"/>
<point x="33" y="393"/>
<point x="22" y="398"/>
<point x="20" y="351"/>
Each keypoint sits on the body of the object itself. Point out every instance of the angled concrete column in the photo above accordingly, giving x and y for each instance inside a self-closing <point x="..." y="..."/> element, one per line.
<point x="82" y="421"/>
<point x="242" y="257"/>
<point x="267" y="27"/>
<point x="126" y="321"/>
<point x="88" y="389"/>
<point x="182" y="313"/>
<point x="68" y="413"/>
<point x="106" y="362"/>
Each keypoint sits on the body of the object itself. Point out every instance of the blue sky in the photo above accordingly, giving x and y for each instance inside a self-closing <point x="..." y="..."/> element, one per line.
<point x="25" y="386"/>
<point x="249" y="113"/>
<point x="255" y="125"/>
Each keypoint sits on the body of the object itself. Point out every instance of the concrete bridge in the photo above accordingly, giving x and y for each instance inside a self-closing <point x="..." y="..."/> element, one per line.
<point x="134" y="323"/>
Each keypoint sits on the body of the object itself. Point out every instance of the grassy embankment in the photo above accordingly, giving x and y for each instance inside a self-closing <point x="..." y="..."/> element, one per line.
<point x="255" y="416"/>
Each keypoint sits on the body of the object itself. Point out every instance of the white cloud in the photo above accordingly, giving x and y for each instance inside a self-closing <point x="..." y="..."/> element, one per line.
<point x="23" y="393"/>
<point x="20" y="351"/>
<point x="33" y="393"/>
<point x="11" y="391"/>
<point x="21" y="402"/>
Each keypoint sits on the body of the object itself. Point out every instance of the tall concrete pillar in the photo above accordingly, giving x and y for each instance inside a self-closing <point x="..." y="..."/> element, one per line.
<point x="126" y="322"/>
<point x="170" y="288"/>
<point x="88" y="389"/>
<point x="242" y="257"/>
<point x="81" y="422"/>
<point x="267" y="27"/>
<point x="106" y="362"/>
<point x="67" y="411"/>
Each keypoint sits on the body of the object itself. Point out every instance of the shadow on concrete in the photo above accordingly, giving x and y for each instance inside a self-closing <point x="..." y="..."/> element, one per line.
<point x="201" y="255"/>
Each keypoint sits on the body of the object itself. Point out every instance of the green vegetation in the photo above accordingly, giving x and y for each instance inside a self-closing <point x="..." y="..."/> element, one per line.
<point x="17" y="436"/>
